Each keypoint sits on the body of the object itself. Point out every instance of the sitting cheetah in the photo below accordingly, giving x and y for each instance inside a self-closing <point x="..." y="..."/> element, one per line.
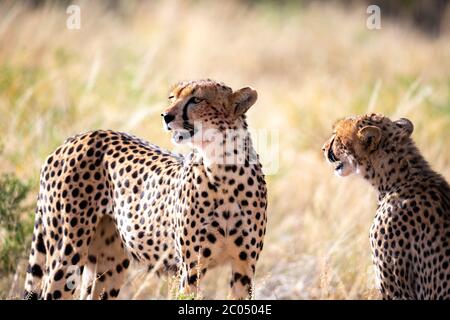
<point x="107" y="198"/>
<point x="410" y="234"/>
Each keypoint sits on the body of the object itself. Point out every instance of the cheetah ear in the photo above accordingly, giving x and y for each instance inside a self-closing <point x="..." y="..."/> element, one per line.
<point x="242" y="100"/>
<point x="406" y="125"/>
<point x="370" y="137"/>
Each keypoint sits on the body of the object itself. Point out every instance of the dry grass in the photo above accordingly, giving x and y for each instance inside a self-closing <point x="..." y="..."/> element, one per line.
<point x="310" y="66"/>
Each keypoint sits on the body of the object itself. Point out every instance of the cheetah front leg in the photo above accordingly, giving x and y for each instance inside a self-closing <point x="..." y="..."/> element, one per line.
<point x="197" y="257"/>
<point x="247" y="245"/>
<point x="191" y="274"/>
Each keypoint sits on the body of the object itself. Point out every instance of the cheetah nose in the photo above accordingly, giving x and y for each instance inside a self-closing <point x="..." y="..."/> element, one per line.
<point x="168" y="117"/>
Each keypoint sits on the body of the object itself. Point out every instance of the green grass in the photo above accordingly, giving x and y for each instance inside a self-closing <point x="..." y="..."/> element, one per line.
<point x="16" y="223"/>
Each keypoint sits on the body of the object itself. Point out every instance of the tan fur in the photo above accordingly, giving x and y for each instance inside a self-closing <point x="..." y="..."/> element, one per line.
<point x="410" y="235"/>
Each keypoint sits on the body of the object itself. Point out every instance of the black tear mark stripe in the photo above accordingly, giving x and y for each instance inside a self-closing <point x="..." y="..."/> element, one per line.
<point x="185" y="109"/>
<point x="331" y="155"/>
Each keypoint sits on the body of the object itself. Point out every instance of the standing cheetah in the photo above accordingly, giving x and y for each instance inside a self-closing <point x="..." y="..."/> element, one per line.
<point x="108" y="197"/>
<point x="410" y="235"/>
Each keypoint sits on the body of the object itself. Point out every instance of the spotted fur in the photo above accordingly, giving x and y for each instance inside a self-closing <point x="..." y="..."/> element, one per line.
<point x="410" y="234"/>
<point x="108" y="198"/>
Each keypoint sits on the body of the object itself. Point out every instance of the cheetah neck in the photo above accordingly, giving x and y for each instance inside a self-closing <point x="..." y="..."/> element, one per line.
<point x="226" y="157"/>
<point x="229" y="147"/>
<point x="389" y="171"/>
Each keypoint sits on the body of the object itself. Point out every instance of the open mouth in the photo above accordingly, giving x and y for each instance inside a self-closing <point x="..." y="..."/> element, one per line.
<point x="342" y="168"/>
<point x="339" y="166"/>
<point x="343" y="165"/>
<point x="330" y="155"/>
<point x="183" y="134"/>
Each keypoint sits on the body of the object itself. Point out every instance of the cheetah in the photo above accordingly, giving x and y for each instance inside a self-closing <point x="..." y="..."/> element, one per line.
<point x="410" y="233"/>
<point x="109" y="198"/>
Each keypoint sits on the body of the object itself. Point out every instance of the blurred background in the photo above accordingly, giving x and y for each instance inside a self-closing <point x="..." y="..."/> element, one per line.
<point x="312" y="62"/>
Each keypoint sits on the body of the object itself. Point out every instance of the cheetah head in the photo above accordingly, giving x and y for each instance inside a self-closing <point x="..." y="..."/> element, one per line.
<point x="198" y="108"/>
<point x="359" y="141"/>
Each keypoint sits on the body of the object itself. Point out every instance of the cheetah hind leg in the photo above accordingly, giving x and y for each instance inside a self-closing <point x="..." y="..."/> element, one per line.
<point x="242" y="279"/>
<point x="104" y="273"/>
<point x="36" y="264"/>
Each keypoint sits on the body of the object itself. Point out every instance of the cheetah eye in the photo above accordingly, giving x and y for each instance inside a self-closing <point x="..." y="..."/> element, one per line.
<point x="171" y="97"/>
<point x="194" y="100"/>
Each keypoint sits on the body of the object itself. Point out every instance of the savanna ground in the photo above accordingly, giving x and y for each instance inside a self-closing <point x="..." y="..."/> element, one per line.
<point x="311" y="65"/>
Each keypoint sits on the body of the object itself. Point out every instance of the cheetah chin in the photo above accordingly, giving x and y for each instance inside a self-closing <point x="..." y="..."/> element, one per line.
<point x="343" y="168"/>
<point x="183" y="136"/>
